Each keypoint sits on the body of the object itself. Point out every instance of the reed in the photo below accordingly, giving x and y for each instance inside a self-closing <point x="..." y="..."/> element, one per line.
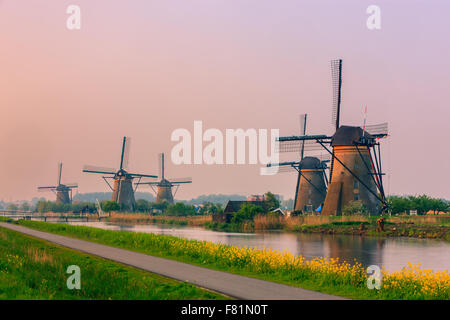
<point x="136" y="218"/>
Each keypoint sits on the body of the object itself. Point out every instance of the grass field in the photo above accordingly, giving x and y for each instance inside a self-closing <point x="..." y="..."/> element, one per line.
<point x="34" y="269"/>
<point x="328" y="276"/>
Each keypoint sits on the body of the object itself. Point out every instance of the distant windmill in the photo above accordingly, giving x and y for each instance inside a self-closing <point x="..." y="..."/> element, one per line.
<point x="164" y="186"/>
<point x="123" y="192"/>
<point x="63" y="191"/>
<point x="355" y="173"/>
<point x="311" y="186"/>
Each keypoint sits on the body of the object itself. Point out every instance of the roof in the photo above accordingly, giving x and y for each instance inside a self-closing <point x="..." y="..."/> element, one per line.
<point x="346" y="135"/>
<point x="310" y="163"/>
<point x="234" y="206"/>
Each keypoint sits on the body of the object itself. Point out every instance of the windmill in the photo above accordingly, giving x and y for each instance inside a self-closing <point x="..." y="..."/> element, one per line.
<point x="63" y="191"/>
<point x="355" y="171"/>
<point x="164" y="186"/>
<point x="123" y="192"/>
<point x="311" y="186"/>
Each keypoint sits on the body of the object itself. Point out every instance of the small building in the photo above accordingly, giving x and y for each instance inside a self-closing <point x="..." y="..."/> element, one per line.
<point x="232" y="207"/>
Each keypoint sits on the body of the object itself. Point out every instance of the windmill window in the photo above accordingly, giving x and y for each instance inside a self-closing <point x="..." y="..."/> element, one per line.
<point x="355" y="184"/>
<point x="356" y="197"/>
<point x="355" y="166"/>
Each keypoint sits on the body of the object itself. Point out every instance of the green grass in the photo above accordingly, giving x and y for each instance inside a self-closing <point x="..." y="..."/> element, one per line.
<point x="35" y="269"/>
<point x="187" y="251"/>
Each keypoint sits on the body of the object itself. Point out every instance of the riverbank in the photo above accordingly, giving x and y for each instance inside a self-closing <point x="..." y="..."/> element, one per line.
<point x="35" y="269"/>
<point x="328" y="276"/>
<point x="140" y="218"/>
<point x="425" y="227"/>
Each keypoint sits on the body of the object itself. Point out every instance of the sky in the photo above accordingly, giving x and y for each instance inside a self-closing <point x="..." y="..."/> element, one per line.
<point x="146" y="68"/>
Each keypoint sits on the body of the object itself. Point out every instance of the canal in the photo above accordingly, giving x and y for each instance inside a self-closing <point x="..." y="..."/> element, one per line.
<point x="392" y="253"/>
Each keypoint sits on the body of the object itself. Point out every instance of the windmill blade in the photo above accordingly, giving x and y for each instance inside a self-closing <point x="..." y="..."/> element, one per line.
<point x="125" y="152"/>
<point x="142" y="175"/>
<point x="180" y="180"/>
<point x="95" y="169"/>
<point x="303" y="124"/>
<point x="161" y="165"/>
<point x="153" y="183"/>
<point x="302" y="132"/>
<point x="71" y="185"/>
<point x="276" y="170"/>
<point x="378" y="129"/>
<point x="297" y="146"/>
<point x="45" y="189"/>
<point x="59" y="173"/>
<point x="336" y="75"/>
<point x="279" y="164"/>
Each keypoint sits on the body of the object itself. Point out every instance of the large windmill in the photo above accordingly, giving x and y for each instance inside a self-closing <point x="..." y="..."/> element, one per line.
<point x="355" y="172"/>
<point x="63" y="191"/>
<point x="312" y="181"/>
<point x="123" y="192"/>
<point x="164" y="186"/>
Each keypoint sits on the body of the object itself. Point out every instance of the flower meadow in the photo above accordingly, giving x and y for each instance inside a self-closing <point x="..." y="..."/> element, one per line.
<point x="322" y="274"/>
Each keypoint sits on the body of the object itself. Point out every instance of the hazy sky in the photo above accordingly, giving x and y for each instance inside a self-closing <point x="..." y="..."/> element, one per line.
<point x="145" y="68"/>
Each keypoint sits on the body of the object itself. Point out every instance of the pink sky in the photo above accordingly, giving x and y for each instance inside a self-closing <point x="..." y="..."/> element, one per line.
<point x="145" y="68"/>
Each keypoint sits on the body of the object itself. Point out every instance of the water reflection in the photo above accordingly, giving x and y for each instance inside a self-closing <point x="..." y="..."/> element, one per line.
<point x="393" y="253"/>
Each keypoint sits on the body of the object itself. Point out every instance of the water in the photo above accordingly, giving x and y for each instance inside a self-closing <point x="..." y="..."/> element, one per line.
<point x="393" y="253"/>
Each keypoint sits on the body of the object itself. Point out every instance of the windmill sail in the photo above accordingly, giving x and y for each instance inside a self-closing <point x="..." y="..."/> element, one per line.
<point x="96" y="169"/>
<point x="336" y="74"/>
<point x="125" y="153"/>
<point x="378" y="129"/>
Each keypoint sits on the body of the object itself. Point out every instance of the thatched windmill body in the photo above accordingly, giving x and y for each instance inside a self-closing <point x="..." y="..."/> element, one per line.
<point x="63" y="191"/>
<point x="164" y="186"/>
<point x="355" y="172"/>
<point x="123" y="191"/>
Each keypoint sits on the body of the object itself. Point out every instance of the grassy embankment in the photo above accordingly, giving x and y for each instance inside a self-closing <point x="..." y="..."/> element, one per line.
<point x="431" y="227"/>
<point x="140" y="218"/>
<point x="35" y="269"/>
<point x="329" y="276"/>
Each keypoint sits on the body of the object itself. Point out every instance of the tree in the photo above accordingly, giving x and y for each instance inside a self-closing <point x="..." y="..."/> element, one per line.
<point x="246" y="213"/>
<point x="25" y="206"/>
<point x="12" y="207"/>
<point x="270" y="201"/>
<point x="180" y="209"/>
<point x="110" y="205"/>
<point x="142" y="205"/>
<point x="353" y="208"/>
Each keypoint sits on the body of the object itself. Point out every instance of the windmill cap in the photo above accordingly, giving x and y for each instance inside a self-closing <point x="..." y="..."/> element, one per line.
<point x="165" y="183"/>
<point x="310" y="163"/>
<point x="347" y="135"/>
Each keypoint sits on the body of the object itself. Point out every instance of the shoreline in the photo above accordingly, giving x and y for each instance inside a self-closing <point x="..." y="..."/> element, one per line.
<point x="391" y="229"/>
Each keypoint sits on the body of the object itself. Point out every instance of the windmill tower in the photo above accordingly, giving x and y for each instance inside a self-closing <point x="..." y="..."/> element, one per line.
<point x="164" y="186"/>
<point x="311" y="186"/>
<point x="355" y="172"/>
<point x="63" y="191"/>
<point x="123" y="192"/>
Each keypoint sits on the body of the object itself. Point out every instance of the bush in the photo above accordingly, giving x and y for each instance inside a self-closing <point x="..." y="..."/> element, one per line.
<point x="180" y="209"/>
<point x="246" y="213"/>
<point x="353" y="208"/>
<point x="110" y="205"/>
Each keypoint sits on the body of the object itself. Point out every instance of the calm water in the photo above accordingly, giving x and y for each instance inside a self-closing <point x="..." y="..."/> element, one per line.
<point x="393" y="253"/>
